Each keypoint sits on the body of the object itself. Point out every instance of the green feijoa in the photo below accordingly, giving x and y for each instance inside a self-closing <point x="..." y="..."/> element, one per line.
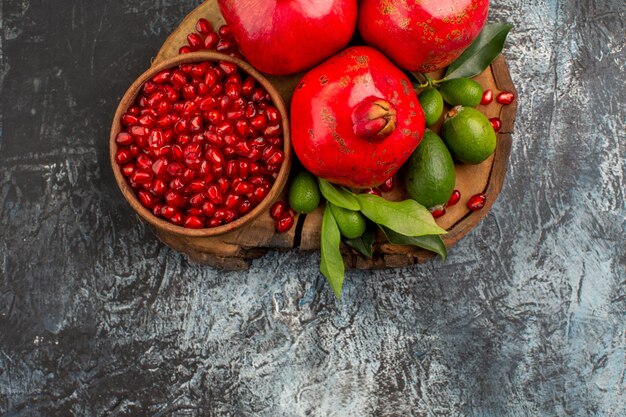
<point x="304" y="193"/>
<point x="469" y="135"/>
<point x="432" y="104"/>
<point x="461" y="92"/>
<point x="429" y="174"/>
<point x="352" y="224"/>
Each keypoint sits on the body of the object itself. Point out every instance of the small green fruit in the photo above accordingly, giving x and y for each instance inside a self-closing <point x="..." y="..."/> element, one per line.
<point x="429" y="175"/>
<point x="432" y="104"/>
<point x="351" y="224"/>
<point x="304" y="193"/>
<point x="461" y="92"/>
<point x="469" y="135"/>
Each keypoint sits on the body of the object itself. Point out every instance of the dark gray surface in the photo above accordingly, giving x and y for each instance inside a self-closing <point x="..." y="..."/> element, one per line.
<point x="97" y="318"/>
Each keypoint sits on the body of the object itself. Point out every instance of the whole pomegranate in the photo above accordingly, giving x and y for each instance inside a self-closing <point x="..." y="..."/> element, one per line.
<point x="424" y="35"/>
<point x="282" y="37"/>
<point x="356" y="119"/>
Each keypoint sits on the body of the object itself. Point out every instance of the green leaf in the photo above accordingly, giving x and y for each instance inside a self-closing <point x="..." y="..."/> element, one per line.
<point x="431" y="243"/>
<point x="481" y="53"/>
<point x="331" y="265"/>
<point x="338" y="196"/>
<point x="408" y="217"/>
<point x="365" y="243"/>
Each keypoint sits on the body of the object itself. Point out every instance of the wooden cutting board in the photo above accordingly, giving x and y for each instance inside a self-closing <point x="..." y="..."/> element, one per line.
<point x="235" y="250"/>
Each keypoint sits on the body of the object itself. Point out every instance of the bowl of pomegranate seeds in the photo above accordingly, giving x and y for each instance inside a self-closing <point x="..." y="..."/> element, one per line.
<point x="200" y="144"/>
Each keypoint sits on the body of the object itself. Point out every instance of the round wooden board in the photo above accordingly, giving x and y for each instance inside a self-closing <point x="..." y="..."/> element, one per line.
<point x="235" y="250"/>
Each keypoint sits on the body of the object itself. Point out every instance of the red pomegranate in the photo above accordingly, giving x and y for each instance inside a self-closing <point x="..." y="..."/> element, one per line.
<point x="282" y="37"/>
<point x="356" y="119"/>
<point x="424" y="35"/>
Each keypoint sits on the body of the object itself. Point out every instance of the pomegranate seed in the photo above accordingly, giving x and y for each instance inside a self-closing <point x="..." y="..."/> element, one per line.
<point x="139" y="131"/>
<point x="130" y="119"/>
<point x="122" y="156"/>
<point x="279" y="210"/>
<point x="204" y="27"/>
<point x="208" y="209"/>
<point x="195" y="41"/>
<point x="146" y="199"/>
<point x="225" y="32"/>
<point x="150" y="88"/>
<point x="196" y="200"/>
<point x="156" y="210"/>
<point x="203" y="90"/>
<point x="505" y="98"/>
<point x="156" y="98"/>
<point x="213" y="194"/>
<point x="259" y="194"/>
<point x="124" y="139"/>
<point x="273" y="130"/>
<point x="193" y="222"/>
<point x="477" y="202"/>
<point x="276" y="159"/>
<point x="243" y="188"/>
<point x="211" y="41"/>
<point x="273" y="115"/>
<point x="259" y="122"/>
<point x="454" y="199"/>
<point x="177" y="219"/>
<point x="232" y="201"/>
<point x="195" y="211"/>
<point x="188" y="175"/>
<point x="189" y="91"/>
<point x="245" y="207"/>
<point x="141" y="177"/>
<point x="230" y="216"/>
<point x="178" y="78"/>
<point x="212" y="223"/>
<point x="223" y="185"/>
<point x="224" y="46"/>
<point x="215" y="156"/>
<point x="128" y="169"/>
<point x="496" y="123"/>
<point x="144" y="162"/>
<point x="162" y="77"/>
<point x="248" y="86"/>
<point x="158" y="187"/>
<point x="196" y="124"/>
<point x="244" y="169"/>
<point x="228" y="67"/>
<point x="174" y="199"/>
<point x="208" y="103"/>
<point x="134" y="150"/>
<point x="388" y="186"/>
<point x="216" y="90"/>
<point x="184" y="50"/>
<point x="487" y="97"/>
<point x="196" y="186"/>
<point x="168" y="212"/>
<point x="438" y="213"/>
<point x="177" y="184"/>
<point x="372" y="191"/>
<point x="285" y="224"/>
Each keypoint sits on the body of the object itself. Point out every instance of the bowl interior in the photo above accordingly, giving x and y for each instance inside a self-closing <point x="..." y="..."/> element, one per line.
<point x="129" y="99"/>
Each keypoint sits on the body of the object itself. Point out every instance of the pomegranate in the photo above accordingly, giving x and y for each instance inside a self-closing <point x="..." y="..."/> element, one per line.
<point x="283" y="37"/>
<point x="424" y="35"/>
<point x="356" y="119"/>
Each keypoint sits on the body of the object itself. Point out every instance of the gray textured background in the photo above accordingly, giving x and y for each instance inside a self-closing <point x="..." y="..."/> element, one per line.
<point x="97" y="318"/>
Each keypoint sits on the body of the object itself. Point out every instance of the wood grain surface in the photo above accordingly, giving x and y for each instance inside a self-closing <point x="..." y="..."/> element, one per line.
<point x="234" y="251"/>
<point x="98" y="318"/>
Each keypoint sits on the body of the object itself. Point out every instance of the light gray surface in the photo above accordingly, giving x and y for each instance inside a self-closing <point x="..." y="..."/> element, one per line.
<point x="99" y="319"/>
